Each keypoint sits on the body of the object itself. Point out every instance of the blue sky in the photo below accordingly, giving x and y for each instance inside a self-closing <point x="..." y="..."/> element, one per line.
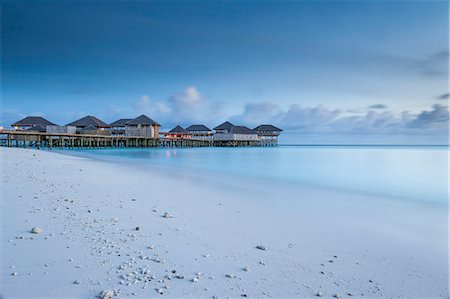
<point x="322" y="70"/>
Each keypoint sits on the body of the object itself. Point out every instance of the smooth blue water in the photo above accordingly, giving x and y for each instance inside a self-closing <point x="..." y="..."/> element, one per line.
<point x="408" y="172"/>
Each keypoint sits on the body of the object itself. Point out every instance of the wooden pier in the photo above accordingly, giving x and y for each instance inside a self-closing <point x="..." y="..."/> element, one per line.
<point x="9" y="138"/>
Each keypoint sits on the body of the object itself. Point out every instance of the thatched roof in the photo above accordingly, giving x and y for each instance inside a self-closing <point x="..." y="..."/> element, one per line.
<point x="267" y="128"/>
<point x="89" y="120"/>
<point x="178" y="129"/>
<point x="197" y="128"/>
<point x="120" y="122"/>
<point x="142" y="120"/>
<point x="32" y="121"/>
<point x="242" y="130"/>
<point x="225" y="126"/>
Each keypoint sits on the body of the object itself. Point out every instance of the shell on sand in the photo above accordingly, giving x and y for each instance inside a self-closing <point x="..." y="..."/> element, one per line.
<point x="36" y="230"/>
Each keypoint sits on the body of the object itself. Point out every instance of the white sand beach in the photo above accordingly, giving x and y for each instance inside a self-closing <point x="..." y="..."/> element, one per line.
<point x="103" y="228"/>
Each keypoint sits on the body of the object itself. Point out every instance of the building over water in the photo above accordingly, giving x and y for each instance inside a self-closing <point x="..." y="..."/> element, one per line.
<point x="223" y="128"/>
<point x="118" y="127"/>
<point x="89" y="121"/>
<point x="92" y="130"/>
<point x="200" y="132"/>
<point x="142" y="126"/>
<point x="141" y="131"/>
<point x="32" y="123"/>
<point x="235" y="133"/>
<point x="178" y="132"/>
<point x="268" y="132"/>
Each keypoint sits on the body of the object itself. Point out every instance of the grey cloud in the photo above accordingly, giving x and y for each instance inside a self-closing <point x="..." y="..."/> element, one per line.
<point x="323" y="120"/>
<point x="377" y="106"/>
<point x="444" y="96"/>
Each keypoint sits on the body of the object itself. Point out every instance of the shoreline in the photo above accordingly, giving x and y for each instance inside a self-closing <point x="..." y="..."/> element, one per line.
<point x="214" y="231"/>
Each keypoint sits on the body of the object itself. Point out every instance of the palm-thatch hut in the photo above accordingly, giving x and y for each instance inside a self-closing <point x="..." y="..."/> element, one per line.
<point x="118" y="127"/>
<point x="200" y="132"/>
<point x="237" y="133"/>
<point x="223" y="128"/>
<point x="32" y="123"/>
<point x="268" y="132"/>
<point x="89" y="121"/>
<point x="142" y="126"/>
<point x="92" y="130"/>
<point x="178" y="132"/>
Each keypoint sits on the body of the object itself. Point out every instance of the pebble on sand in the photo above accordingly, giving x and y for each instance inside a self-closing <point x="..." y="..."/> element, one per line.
<point x="14" y="274"/>
<point x="167" y="215"/>
<point x="107" y="294"/>
<point x="319" y="294"/>
<point x="261" y="247"/>
<point x="36" y="230"/>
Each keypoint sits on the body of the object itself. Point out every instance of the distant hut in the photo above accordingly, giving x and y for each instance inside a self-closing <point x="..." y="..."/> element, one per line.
<point x="90" y="121"/>
<point x="223" y="128"/>
<point x="268" y="132"/>
<point x="118" y="127"/>
<point x="178" y="132"/>
<point x="32" y="123"/>
<point x="200" y="132"/>
<point x="142" y="126"/>
<point x="237" y="133"/>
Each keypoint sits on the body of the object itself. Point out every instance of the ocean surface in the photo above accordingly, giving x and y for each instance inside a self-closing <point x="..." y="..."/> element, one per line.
<point x="407" y="172"/>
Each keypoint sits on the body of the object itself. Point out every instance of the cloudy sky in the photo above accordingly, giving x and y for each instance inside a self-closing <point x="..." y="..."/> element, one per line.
<point x="325" y="71"/>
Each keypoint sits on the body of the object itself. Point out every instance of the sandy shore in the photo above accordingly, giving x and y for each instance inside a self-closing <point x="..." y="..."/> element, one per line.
<point x="103" y="228"/>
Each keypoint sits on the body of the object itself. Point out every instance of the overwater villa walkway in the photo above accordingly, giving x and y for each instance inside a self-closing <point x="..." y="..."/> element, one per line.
<point x="11" y="138"/>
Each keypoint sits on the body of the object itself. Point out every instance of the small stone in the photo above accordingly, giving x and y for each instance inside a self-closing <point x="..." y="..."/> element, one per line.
<point x="261" y="247"/>
<point x="246" y="269"/>
<point x="167" y="215"/>
<point x="76" y="282"/>
<point x="319" y="294"/>
<point x="160" y="291"/>
<point x="230" y="275"/>
<point x="195" y="279"/>
<point x="137" y="228"/>
<point x="14" y="274"/>
<point x="337" y="296"/>
<point x="108" y="294"/>
<point x="36" y="230"/>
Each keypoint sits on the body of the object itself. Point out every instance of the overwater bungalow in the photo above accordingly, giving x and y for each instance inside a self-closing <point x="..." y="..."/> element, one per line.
<point x="118" y="127"/>
<point x="89" y="121"/>
<point x="92" y="130"/>
<point x="200" y="132"/>
<point x="237" y="133"/>
<point x="32" y="123"/>
<point x="142" y="126"/>
<point x="223" y="128"/>
<point x="178" y="132"/>
<point x="268" y="132"/>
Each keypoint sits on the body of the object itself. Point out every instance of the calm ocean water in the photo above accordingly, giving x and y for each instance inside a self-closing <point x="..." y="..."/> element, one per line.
<point x="411" y="172"/>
